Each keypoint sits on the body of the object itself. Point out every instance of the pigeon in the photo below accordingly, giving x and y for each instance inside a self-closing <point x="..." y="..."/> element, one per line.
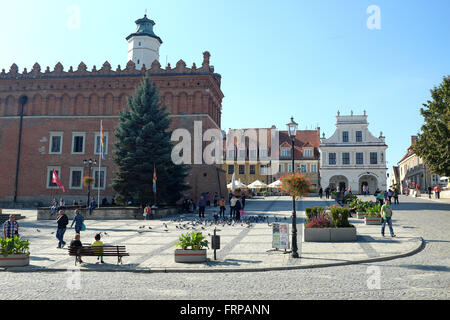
<point x="38" y="230"/>
<point x="149" y="227"/>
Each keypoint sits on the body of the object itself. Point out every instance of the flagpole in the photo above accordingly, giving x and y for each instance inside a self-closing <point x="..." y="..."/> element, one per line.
<point x="100" y="163"/>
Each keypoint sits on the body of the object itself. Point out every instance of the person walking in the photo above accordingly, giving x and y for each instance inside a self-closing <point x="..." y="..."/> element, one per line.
<point x="232" y="206"/>
<point x="62" y="220"/>
<point x="216" y="199"/>
<point x="386" y="214"/>
<point x="243" y="200"/>
<point x="390" y="194"/>
<point x="208" y="202"/>
<point x="327" y="193"/>
<point x="429" y="192"/>
<point x="380" y="197"/>
<point x="201" y="207"/>
<point x="78" y="220"/>
<point x="237" y="210"/>
<point x="320" y="193"/>
<point x="396" y="196"/>
<point x="437" y="191"/>
<point x="10" y="227"/>
<point x="222" y="207"/>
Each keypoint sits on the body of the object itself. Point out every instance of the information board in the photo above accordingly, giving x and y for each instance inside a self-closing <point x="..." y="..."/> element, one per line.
<point x="280" y="238"/>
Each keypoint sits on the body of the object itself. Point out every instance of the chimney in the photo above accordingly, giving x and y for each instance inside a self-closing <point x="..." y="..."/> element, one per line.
<point x="413" y="140"/>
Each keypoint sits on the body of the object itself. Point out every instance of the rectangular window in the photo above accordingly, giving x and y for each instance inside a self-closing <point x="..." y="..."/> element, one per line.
<point x="332" y="158"/>
<point x="358" y="136"/>
<point x="263" y="169"/>
<point x="252" y="169"/>
<point x="289" y="167"/>
<point x="98" y="144"/>
<point x="78" y="142"/>
<point x="242" y="154"/>
<point x="281" y="168"/>
<point x="345" y="136"/>
<point x="230" y="169"/>
<point x="373" y="158"/>
<point x="55" y="143"/>
<point x="285" y="152"/>
<point x="314" y="168"/>
<point x="76" y="178"/>
<point x="345" y="158"/>
<point x="307" y="153"/>
<point x="231" y="154"/>
<point x="303" y="168"/>
<point x="99" y="178"/>
<point x="359" y="158"/>
<point x="262" y="154"/>
<point x="241" y="169"/>
<point x="253" y="155"/>
<point x="50" y="184"/>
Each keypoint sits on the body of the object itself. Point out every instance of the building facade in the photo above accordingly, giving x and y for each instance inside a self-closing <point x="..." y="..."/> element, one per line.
<point x="306" y="158"/>
<point x="413" y="171"/>
<point x="51" y="120"/>
<point x="353" y="157"/>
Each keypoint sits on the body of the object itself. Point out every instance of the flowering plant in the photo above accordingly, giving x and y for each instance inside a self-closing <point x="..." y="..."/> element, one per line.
<point x="295" y="185"/>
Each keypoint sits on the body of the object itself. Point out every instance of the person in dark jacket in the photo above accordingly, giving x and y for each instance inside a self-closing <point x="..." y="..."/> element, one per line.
<point x="62" y="221"/>
<point x="237" y="210"/>
<point x="78" y="220"/>
<point x="201" y="207"/>
<point x="76" y="243"/>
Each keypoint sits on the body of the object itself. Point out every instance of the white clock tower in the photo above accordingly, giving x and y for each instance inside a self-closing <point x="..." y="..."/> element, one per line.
<point x="143" y="45"/>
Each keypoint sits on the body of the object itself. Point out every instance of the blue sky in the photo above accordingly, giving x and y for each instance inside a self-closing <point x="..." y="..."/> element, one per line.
<point x="281" y="58"/>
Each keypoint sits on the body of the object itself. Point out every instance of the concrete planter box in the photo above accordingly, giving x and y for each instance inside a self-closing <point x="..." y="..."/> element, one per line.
<point x="372" y="221"/>
<point x="329" y="234"/>
<point x="15" y="260"/>
<point x="361" y="215"/>
<point x="108" y="213"/>
<point x="186" y="256"/>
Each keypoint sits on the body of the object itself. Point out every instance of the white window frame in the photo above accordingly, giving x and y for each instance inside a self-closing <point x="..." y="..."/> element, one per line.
<point x="49" y="173"/>
<point x="285" y="152"/>
<point x="262" y="153"/>
<point x="78" y="134"/>
<point x="263" y="169"/>
<point x="313" y="168"/>
<point x="303" y="168"/>
<point x="94" y="171"/>
<point x="50" y="143"/>
<point x="72" y="169"/>
<point x="97" y="141"/>
<point x="308" y="153"/>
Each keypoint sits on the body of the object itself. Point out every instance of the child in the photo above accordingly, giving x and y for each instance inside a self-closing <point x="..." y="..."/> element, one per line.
<point x="96" y="247"/>
<point x="76" y="243"/>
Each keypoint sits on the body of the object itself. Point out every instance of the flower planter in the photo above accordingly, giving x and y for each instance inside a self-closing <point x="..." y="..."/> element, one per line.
<point x="186" y="256"/>
<point x="329" y="234"/>
<point x="372" y="220"/>
<point x="361" y="215"/>
<point x="15" y="260"/>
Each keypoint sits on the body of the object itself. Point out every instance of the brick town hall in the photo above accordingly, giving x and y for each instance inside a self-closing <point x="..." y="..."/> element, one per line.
<point x="50" y="119"/>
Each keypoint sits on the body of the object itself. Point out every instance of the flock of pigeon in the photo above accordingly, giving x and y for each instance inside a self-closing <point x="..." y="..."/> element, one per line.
<point x="200" y="225"/>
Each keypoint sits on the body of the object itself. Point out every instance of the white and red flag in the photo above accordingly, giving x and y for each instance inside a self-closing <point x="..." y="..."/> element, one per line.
<point x="55" y="179"/>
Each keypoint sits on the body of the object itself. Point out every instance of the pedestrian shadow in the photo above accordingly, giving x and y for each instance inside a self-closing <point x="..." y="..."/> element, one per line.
<point x="370" y="239"/>
<point x="34" y="258"/>
<point x="426" y="268"/>
<point x="232" y="262"/>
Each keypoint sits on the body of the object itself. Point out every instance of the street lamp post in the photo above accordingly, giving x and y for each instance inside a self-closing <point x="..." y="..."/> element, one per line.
<point x="89" y="163"/>
<point x="292" y="130"/>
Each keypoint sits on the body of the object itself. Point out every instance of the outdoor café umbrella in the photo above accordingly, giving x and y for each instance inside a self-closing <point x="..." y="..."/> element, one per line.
<point x="276" y="184"/>
<point x="257" y="185"/>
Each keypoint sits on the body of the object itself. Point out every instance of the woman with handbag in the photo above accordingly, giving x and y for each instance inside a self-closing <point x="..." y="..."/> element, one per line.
<point x="79" y="222"/>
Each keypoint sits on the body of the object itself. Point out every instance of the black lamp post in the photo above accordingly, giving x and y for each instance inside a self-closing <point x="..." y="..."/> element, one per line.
<point x="89" y="163"/>
<point x="292" y="131"/>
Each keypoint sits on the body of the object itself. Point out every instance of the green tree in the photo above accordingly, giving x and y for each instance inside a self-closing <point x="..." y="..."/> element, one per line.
<point x="142" y="144"/>
<point x="433" y="143"/>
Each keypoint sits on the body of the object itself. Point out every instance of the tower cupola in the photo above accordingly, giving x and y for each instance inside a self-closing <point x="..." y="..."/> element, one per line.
<point x="143" y="45"/>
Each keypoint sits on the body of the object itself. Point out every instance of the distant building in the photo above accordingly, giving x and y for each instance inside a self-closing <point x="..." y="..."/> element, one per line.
<point x="413" y="171"/>
<point x="353" y="157"/>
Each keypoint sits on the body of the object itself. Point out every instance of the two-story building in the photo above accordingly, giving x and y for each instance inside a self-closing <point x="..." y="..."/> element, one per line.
<point x="353" y="157"/>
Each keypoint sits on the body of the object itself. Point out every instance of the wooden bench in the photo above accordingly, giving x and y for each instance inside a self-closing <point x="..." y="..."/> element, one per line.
<point x="105" y="251"/>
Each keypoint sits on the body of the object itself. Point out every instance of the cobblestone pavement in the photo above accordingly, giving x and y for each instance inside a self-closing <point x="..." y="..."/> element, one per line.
<point x="424" y="275"/>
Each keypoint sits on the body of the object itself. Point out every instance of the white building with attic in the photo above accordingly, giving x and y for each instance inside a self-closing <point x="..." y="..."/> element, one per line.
<point x="353" y="157"/>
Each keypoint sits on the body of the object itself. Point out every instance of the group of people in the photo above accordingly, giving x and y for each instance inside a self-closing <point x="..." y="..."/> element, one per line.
<point x="387" y="195"/>
<point x="237" y="205"/>
<point x="437" y="191"/>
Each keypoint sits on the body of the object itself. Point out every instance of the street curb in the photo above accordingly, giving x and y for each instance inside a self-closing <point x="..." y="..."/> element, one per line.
<point x="229" y="270"/>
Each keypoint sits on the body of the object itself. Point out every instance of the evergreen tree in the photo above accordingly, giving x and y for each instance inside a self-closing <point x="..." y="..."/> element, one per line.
<point x="433" y="142"/>
<point x="142" y="144"/>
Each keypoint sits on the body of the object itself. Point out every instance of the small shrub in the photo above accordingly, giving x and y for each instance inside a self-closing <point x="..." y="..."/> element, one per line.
<point x="339" y="217"/>
<point x="14" y="246"/>
<point x="194" y="240"/>
<point x="322" y="221"/>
